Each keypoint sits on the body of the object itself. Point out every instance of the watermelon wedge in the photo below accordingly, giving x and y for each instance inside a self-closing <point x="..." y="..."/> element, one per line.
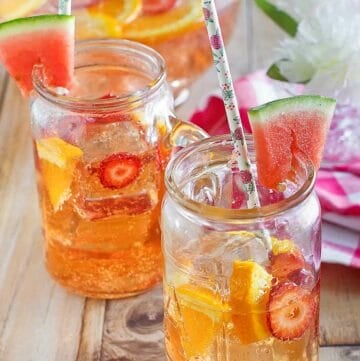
<point x="283" y="127"/>
<point x="46" y="40"/>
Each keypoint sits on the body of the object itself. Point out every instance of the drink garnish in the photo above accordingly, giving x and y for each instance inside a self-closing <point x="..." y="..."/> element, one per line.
<point x="291" y="309"/>
<point x="201" y="312"/>
<point x="157" y="6"/>
<point x="58" y="162"/>
<point x="119" y="170"/>
<point x="285" y="127"/>
<point x="47" y="41"/>
<point x="249" y="293"/>
<point x="284" y="264"/>
<point x="17" y="8"/>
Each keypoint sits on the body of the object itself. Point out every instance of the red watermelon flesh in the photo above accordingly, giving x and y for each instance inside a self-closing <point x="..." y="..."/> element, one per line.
<point x="46" y="40"/>
<point x="285" y="127"/>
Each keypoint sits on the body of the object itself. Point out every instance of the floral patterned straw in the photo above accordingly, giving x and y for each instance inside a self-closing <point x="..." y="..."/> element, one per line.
<point x="65" y="7"/>
<point x="230" y="102"/>
<point x="232" y="108"/>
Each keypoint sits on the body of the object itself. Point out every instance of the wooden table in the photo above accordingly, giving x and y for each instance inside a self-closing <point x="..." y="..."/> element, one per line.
<point x="39" y="321"/>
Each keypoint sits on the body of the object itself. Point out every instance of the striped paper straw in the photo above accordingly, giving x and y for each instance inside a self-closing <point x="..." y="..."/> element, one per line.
<point x="64" y="7"/>
<point x="230" y="102"/>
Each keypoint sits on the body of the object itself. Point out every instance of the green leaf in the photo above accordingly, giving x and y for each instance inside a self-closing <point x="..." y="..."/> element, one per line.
<point x="274" y="73"/>
<point x="281" y="18"/>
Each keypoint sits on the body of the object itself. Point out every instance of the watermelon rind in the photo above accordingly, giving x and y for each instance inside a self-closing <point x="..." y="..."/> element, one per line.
<point x="272" y="110"/>
<point x="21" y="25"/>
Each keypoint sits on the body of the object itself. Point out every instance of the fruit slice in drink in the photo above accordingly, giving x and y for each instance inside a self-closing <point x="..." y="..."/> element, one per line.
<point x="287" y="126"/>
<point x="58" y="162"/>
<point x="201" y="315"/>
<point x="16" y="8"/>
<point x="249" y="294"/>
<point x="163" y="25"/>
<point x="47" y="41"/>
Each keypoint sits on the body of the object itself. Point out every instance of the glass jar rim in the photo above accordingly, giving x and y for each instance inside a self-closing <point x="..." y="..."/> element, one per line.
<point x="114" y="103"/>
<point x="227" y="214"/>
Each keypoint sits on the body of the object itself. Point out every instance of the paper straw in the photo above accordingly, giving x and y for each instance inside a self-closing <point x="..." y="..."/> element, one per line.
<point x="65" y="7"/>
<point x="230" y="102"/>
<point x="232" y="109"/>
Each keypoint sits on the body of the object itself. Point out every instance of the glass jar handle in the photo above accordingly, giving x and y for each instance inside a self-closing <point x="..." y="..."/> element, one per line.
<point x="182" y="134"/>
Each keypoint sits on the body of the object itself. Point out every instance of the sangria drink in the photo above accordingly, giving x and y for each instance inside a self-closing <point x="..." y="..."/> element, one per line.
<point x="174" y="28"/>
<point x="100" y="150"/>
<point x="240" y="284"/>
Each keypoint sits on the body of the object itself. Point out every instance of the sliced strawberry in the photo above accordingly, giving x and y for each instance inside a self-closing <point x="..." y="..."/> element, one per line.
<point x="119" y="170"/>
<point x="108" y="96"/>
<point x="291" y="310"/>
<point x="151" y="7"/>
<point x="284" y="264"/>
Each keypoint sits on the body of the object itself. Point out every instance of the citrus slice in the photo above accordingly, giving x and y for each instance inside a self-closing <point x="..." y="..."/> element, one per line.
<point x="58" y="162"/>
<point x="11" y="9"/>
<point x="95" y="25"/>
<point x="286" y="127"/>
<point x="201" y="312"/>
<point x="123" y="11"/>
<point x="249" y="294"/>
<point x="280" y="246"/>
<point x="149" y="28"/>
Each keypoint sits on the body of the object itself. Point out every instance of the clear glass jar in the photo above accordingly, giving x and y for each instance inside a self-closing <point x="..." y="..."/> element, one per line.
<point x="100" y="151"/>
<point x="239" y="284"/>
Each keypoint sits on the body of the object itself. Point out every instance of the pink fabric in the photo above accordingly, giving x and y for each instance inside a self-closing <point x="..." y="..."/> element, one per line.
<point x="338" y="186"/>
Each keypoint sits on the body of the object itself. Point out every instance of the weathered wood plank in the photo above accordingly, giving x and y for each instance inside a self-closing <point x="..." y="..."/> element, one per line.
<point x="133" y="329"/>
<point x="340" y="305"/>
<point x="38" y="320"/>
<point x="92" y="331"/>
<point x="342" y="353"/>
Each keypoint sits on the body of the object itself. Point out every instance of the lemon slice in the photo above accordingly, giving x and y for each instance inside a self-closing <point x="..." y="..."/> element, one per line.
<point x="282" y="246"/>
<point x="148" y="28"/>
<point x="95" y="25"/>
<point x="249" y="294"/>
<point x="58" y="162"/>
<point x="123" y="11"/>
<point x="201" y="312"/>
<point x="10" y="9"/>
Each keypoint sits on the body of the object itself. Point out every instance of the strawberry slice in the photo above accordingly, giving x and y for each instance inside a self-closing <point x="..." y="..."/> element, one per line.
<point x="291" y="310"/>
<point x="119" y="170"/>
<point x="283" y="264"/>
<point x="151" y="7"/>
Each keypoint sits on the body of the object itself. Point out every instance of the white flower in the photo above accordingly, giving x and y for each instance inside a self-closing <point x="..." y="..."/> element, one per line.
<point x="326" y="48"/>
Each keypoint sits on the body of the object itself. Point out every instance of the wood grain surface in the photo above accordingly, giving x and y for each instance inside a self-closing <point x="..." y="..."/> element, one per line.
<point x="39" y="321"/>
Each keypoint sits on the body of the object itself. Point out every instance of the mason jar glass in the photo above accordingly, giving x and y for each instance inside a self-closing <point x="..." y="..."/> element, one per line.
<point x="100" y="151"/>
<point x="240" y="284"/>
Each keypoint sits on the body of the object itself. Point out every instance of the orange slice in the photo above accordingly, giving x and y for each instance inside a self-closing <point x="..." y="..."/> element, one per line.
<point x="201" y="312"/>
<point x="123" y="11"/>
<point x="95" y="25"/>
<point x="249" y="294"/>
<point x="11" y="9"/>
<point x="58" y="162"/>
<point x="149" y="28"/>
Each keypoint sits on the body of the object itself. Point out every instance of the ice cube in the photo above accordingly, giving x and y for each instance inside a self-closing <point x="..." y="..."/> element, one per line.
<point x="100" y="208"/>
<point x="104" y="139"/>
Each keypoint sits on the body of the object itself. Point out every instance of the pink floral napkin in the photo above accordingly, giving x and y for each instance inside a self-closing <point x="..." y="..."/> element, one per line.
<point x="337" y="186"/>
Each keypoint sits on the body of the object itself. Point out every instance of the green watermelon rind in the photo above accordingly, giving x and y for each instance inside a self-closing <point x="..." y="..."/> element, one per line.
<point x="41" y="22"/>
<point x="270" y="111"/>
